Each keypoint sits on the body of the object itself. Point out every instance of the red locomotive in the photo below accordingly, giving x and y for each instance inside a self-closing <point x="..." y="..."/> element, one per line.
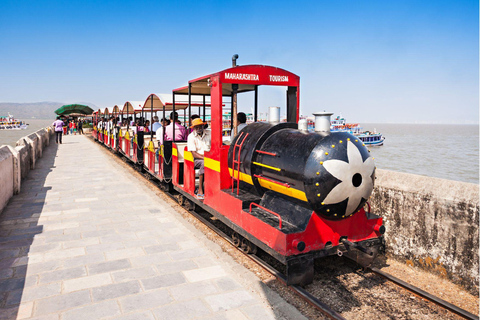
<point x="295" y="194"/>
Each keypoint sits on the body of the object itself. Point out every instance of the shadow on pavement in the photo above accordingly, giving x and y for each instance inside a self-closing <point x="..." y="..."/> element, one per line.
<point x="18" y="228"/>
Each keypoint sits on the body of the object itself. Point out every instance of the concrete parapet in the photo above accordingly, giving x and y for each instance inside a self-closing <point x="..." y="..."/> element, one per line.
<point x="17" y="177"/>
<point x="24" y="159"/>
<point x="30" y="145"/>
<point x="43" y="137"/>
<point x="37" y="145"/>
<point x="15" y="163"/>
<point x="6" y="174"/>
<point x="431" y="223"/>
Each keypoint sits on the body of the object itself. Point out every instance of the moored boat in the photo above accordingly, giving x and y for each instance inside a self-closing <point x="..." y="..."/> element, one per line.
<point x="10" y="123"/>
<point x="339" y="124"/>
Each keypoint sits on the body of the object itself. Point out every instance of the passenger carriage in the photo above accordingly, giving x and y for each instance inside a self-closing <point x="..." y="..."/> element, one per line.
<point x="127" y="134"/>
<point x="95" y="124"/>
<point x="162" y="105"/>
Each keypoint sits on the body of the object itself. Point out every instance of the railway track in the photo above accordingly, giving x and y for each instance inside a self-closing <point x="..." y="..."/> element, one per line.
<point x="301" y="292"/>
<point x="419" y="292"/>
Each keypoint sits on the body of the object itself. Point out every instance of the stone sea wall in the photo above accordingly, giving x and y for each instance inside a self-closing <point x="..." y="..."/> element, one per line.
<point x="15" y="163"/>
<point x="431" y="223"/>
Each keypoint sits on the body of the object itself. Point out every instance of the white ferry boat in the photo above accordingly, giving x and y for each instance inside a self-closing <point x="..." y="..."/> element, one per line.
<point x="10" y="123"/>
<point x="367" y="137"/>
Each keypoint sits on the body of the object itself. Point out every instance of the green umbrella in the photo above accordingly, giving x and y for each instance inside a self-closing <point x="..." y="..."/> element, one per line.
<point x="73" y="108"/>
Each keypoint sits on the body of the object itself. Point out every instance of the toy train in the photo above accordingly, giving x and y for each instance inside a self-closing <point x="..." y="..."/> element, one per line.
<point x="297" y="195"/>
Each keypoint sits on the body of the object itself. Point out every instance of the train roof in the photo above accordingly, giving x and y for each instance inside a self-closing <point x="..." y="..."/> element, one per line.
<point x="117" y="108"/>
<point x="161" y="100"/>
<point x="247" y="77"/>
<point x="132" y="107"/>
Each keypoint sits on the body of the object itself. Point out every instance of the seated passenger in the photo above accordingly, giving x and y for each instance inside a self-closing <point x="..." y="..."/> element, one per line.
<point x="198" y="142"/>
<point x="156" y="125"/>
<point x="159" y="132"/>
<point x="180" y="131"/>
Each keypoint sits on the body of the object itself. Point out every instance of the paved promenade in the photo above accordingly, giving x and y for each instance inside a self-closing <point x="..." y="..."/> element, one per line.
<point x="86" y="240"/>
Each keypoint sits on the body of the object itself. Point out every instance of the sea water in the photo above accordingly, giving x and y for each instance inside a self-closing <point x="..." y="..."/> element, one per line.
<point x="443" y="151"/>
<point x="10" y="137"/>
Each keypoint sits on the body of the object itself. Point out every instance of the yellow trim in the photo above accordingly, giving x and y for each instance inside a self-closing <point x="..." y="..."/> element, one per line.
<point x="187" y="155"/>
<point x="291" y="192"/>
<point x="264" y="165"/>
<point x="243" y="176"/>
<point x="174" y="152"/>
<point x="120" y="133"/>
<point x="127" y="135"/>
<point x="151" y="146"/>
<point x="212" y="164"/>
<point x="294" y="193"/>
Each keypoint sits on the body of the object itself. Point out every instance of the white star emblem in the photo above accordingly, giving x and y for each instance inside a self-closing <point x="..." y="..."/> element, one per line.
<point x="351" y="186"/>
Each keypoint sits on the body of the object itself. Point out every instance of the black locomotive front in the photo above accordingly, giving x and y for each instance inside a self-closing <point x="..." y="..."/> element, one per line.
<point x="331" y="173"/>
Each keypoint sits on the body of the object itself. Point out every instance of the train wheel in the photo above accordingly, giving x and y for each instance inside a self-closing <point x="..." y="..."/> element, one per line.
<point x="251" y="249"/>
<point x="248" y="247"/>
<point x="189" y="205"/>
<point x="236" y="239"/>
<point x="181" y="200"/>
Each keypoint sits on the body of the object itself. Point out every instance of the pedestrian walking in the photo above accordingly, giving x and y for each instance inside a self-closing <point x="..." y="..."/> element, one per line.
<point x="58" y="127"/>
<point x="80" y="127"/>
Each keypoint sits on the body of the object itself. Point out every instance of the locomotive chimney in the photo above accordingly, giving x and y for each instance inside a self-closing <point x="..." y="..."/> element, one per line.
<point x="234" y="60"/>
<point x="322" y="121"/>
<point x="303" y="125"/>
<point x="274" y="115"/>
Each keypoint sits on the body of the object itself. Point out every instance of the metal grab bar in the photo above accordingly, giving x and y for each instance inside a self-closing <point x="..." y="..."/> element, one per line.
<point x="265" y="152"/>
<point x="280" y="183"/>
<point x="269" y="211"/>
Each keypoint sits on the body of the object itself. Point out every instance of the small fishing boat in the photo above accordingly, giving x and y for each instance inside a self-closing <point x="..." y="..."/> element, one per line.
<point x="10" y="123"/>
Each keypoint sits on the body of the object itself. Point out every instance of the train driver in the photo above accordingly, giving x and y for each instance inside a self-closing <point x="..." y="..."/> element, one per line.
<point x="198" y="142"/>
<point x="242" y="123"/>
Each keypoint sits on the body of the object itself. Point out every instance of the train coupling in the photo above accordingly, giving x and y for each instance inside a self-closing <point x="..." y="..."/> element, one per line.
<point x="361" y="253"/>
<point x="351" y="245"/>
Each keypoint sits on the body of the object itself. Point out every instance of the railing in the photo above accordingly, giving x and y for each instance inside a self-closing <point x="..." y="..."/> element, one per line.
<point x="269" y="211"/>
<point x="237" y="161"/>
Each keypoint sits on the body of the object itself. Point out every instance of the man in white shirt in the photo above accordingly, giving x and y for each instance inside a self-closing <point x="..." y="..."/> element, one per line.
<point x="156" y="125"/>
<point x="242" y="123"/>
<point x="198" y="142"/>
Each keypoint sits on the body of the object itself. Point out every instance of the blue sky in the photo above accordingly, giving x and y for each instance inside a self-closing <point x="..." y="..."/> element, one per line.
<point x="372" y="61"/>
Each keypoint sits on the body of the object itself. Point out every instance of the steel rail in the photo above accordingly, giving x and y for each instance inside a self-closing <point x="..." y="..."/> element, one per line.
<point x="444" y="304"/>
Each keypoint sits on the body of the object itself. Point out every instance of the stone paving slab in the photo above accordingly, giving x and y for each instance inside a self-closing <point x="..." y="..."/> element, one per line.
<point x="85" y="239"/>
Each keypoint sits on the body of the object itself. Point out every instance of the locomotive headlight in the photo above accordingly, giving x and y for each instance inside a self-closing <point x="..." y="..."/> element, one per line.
<point x="355" y="176"/>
